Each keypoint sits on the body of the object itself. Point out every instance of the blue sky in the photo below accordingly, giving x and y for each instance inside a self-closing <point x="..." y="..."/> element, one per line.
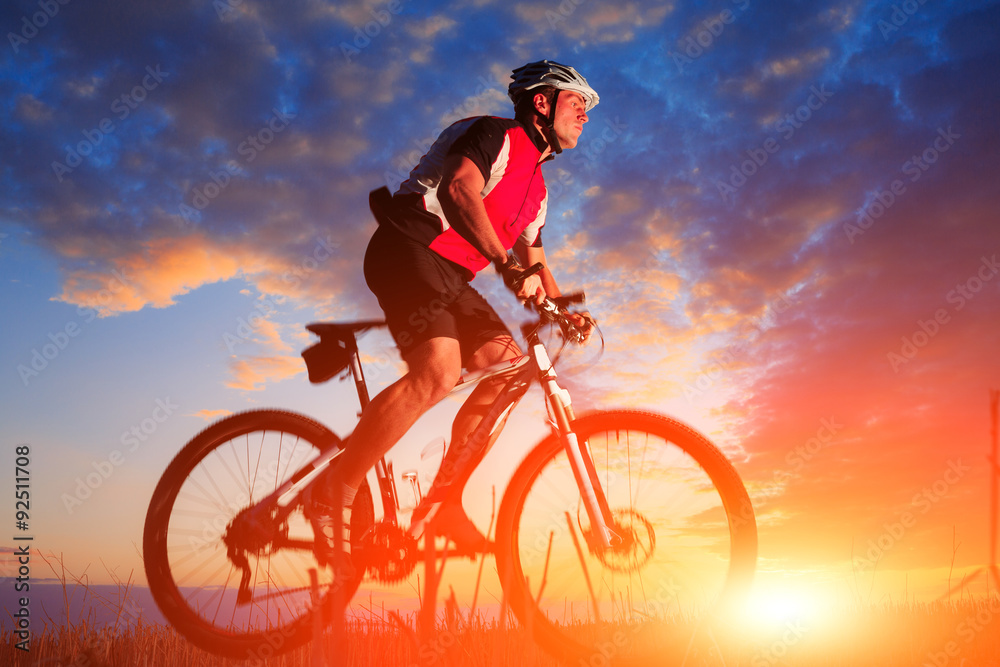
<point x="782" y="213"/>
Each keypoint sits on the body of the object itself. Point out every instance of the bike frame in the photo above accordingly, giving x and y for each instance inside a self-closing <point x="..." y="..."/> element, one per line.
<point x="536" y="364"/>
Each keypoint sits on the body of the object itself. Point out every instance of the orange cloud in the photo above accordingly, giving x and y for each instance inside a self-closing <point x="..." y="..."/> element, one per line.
<point x="156" y="271"/>
<point x="254" y="373"/>
<point x="211" y="415"/>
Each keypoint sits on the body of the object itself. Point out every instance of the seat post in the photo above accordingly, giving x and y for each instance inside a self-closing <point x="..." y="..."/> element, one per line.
<point x="359" y="378"/>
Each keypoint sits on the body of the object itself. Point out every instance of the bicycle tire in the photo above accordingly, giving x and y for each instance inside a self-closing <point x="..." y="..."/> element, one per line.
<point x="688" y="486"/>
<point x="219" y="472"/>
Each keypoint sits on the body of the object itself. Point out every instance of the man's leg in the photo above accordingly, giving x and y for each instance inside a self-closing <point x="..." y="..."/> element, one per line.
<point x="443" y="502"/>
<point x="434" y="367"/>
<point x="453" y="472"/>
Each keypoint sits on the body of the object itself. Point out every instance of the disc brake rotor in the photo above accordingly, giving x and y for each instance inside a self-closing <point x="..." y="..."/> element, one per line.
<point x="638" y="541"/>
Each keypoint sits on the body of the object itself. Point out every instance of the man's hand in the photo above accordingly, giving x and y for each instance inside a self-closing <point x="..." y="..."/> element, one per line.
<point x="584" y="322"/>
<point x="529" y="288"/>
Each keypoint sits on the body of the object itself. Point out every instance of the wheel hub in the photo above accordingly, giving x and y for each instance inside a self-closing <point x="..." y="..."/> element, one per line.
<point x="637" y="541"/>
<point x="243" y="534"/>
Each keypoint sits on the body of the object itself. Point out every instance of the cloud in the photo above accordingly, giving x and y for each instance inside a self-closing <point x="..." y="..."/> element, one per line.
<point x="429" y="28"/>
<point x="586" y="22"/>
<point x="754" y="314"/>
<point x="211" y="415"/>
<point x="255" y="373"/>
<point x="154" y="274"/>
<point x="32" y="110"/>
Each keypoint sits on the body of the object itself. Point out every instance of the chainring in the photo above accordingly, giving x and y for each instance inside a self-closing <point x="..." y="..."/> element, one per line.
<point x="388" y="553"/>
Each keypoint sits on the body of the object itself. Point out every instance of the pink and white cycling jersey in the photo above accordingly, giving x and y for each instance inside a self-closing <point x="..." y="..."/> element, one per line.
<point x="507" y="153"/>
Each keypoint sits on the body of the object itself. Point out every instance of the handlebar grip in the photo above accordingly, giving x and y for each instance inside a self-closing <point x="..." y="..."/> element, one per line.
<point x="515" y="284"/>
<point x="567" y="300"/>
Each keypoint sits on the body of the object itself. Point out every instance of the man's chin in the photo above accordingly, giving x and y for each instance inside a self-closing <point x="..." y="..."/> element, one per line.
<point x="568" y="142"/>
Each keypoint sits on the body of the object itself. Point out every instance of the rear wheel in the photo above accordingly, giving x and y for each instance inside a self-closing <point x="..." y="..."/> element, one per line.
<point x="687" y="542"/>
<point x="200" y="549"/>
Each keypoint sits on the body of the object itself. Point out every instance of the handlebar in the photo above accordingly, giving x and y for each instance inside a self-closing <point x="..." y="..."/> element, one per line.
<point x="556" y="310"/>
<point x="551" y="309"/>
<point x="515" y="284"/>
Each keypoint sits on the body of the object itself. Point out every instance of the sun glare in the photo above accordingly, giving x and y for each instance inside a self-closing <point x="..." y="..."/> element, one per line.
<point x="770" y="607"/>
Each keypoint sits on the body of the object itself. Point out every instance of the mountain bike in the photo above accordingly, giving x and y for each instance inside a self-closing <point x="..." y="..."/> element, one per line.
<point x="616" y="527"/>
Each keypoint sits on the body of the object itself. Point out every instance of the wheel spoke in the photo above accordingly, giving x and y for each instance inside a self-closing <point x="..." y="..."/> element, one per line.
<point x="661" y="481"/>
<point x="195" y="535"/>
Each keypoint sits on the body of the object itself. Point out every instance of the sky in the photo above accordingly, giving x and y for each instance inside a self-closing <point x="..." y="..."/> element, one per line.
<point x="783" y="215"/>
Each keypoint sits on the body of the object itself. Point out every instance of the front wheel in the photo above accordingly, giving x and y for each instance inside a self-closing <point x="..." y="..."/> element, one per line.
<point x="685" y="545"/>
<point x="232" y="586"/>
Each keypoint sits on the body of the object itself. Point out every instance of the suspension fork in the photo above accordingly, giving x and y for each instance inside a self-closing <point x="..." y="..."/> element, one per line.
<point x="580" y="459"/>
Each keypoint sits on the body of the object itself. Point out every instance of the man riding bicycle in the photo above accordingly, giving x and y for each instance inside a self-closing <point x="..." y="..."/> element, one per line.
<point x="476" y="195"/>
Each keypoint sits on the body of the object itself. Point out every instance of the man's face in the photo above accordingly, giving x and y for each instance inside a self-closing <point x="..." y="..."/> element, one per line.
<point x="570" y="116"/>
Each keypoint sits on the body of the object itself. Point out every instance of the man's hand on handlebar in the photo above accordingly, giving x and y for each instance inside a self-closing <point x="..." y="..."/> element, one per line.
<point x="584" y="322"/>
<point x="525" y="284"/>
<point x="531" y="289"/>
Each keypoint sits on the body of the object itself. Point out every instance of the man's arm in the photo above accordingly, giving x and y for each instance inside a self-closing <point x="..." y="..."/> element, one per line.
<point x="460" y="194"/>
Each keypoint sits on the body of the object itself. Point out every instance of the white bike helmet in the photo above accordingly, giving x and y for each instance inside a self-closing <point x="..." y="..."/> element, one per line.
<point x="549" y="73"/>
<point x="560" y="77"/>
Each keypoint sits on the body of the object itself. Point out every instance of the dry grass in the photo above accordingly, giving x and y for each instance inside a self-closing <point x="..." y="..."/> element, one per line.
<point x="143" y="645"/>
<point x="885" y="636"/>
<point x="965" y="632"/>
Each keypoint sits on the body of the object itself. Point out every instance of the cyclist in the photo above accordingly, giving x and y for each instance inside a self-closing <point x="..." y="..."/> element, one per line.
<point x="477" y="194"/>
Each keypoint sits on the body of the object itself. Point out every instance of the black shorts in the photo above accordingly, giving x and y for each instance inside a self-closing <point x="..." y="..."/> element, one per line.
<point x="426" y="296"/>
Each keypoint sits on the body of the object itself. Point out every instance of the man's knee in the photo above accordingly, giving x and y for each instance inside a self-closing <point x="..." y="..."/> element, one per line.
<point x="435" y="386"/>
<point x="494" y="351"/>
<point x="435" y="371"/>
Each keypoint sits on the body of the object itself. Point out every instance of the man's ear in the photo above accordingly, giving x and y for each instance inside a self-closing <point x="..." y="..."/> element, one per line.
<point x="541" y="104"/>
